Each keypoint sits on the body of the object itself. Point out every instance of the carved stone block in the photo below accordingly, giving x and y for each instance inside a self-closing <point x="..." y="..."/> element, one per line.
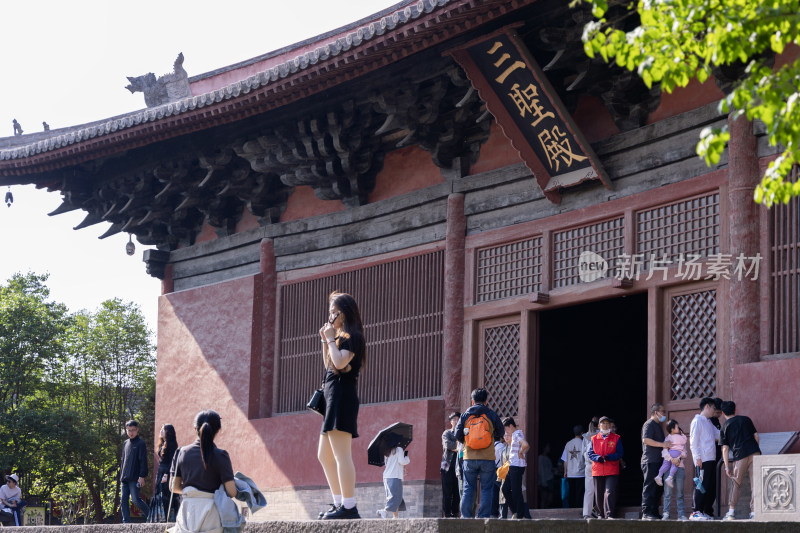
<point x="775" y="484"/>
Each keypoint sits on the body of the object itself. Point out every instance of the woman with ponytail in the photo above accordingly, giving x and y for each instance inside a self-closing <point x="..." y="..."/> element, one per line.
<point x="199" y="469"/>
<point x="343" y="354"/>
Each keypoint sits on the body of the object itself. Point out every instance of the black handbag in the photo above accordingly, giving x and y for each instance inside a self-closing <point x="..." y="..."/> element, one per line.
<point x="317" y="402"/>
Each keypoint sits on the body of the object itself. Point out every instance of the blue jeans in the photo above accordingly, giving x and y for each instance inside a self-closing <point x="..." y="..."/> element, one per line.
<point x="17" y="512"/>
<point x="131" y="488"/>
<point x="484" y="470"/>
<point x="680" y="476"/>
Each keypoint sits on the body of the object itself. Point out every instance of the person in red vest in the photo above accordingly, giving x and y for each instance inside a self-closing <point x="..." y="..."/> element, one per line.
<point x="605" y="453"/>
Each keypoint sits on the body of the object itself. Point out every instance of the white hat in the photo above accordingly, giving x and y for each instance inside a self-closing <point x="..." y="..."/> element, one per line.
<point x="13" y="477"/>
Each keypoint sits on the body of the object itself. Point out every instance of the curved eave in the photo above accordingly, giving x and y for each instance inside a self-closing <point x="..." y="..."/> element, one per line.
<point x="427" y="24"/>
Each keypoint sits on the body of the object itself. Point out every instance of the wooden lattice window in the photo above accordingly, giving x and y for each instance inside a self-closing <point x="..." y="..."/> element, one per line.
<point x="402" y="306"/>
<point x="786" y="277"/>
<point x="501" y="368"/>
<point x="680" y="228"/>
<point x="693" y="345"/>
<point x="606" y="239"/>
<point x="508" y="270"/>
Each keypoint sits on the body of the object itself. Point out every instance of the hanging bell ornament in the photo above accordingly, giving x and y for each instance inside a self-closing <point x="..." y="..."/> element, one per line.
<point x="130" y="248"/>
<point x="9" y="197"/>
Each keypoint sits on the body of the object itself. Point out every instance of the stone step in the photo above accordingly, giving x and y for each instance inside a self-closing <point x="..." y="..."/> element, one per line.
<point x="457" y="525"/>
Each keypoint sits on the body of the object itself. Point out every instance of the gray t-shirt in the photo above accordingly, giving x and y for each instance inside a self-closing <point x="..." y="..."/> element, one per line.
<point x="189" y="467"/>
<point x="7" y="493"/>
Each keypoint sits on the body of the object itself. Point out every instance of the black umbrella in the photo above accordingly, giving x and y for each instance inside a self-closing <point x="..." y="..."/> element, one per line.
<point x="398" y="434"/>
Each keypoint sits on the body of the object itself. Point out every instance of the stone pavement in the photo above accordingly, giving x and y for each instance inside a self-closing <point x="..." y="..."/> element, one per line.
<point x="434" y="525"/>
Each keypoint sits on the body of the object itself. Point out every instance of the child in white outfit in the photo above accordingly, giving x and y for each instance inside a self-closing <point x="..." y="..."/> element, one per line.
<point x="677" y="448"/>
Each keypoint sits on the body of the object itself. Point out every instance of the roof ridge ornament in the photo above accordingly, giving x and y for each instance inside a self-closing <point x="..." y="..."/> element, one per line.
<point x="164" y="89"/>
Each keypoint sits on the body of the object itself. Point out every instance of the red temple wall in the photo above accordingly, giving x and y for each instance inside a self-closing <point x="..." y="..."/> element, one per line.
<point x="766" y="391"/>
<point x="304" y="203"/>
<point x="684" y="99"/>
<point x="593" y="119"/>
<point x="496" y="152"/>
<point x="206" y="233"/>
<point x="405" y="170"/>
<point x="205" y="345"/>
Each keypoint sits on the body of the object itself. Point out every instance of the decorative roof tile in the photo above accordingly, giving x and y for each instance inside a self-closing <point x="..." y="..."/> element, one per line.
<point x="326" y="51"/>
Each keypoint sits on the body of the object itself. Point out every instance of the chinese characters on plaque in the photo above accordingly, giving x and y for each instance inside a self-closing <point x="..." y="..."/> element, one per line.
<point x="517" y="93"/>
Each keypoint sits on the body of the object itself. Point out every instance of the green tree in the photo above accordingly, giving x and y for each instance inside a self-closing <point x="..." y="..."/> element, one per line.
<point x="68" y="383"/>
<point x="110" y="377"/>
<point x="675" y="41"/>
<point x="31" y="332"/>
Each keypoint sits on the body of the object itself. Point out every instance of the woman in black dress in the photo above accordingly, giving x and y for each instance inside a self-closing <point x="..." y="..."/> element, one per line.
<point x="200" y="468"/>
<point x="167" y="445"/>
<point x="344" y="354"/>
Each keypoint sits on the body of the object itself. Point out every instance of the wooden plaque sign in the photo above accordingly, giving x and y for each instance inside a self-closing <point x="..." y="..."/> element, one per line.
<point x="529" y="112"/>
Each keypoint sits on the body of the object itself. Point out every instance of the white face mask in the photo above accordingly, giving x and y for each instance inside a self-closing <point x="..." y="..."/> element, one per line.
<point x="605" y="431"/>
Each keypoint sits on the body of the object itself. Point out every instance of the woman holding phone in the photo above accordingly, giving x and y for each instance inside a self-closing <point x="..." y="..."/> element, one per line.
<point x="343" y="354"/>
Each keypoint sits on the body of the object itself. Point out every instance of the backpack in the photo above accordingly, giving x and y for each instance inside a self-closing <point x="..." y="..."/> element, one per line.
<point x="478" y="432"/>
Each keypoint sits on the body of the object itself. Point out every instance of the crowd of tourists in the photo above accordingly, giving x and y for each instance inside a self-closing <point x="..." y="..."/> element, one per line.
<point x="483" y="457"/>
<point x="483" y="462"/>
<point x="480" y="450"/>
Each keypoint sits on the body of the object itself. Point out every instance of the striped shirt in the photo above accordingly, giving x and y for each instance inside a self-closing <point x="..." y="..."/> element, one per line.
<point x="513" y="455"/>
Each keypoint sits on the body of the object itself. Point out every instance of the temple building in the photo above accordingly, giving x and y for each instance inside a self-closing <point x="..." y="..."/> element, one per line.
<point x="507" y="212"/>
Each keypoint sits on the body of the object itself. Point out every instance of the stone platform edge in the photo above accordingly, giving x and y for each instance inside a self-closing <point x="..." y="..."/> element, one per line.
<point x="454" y="525"/>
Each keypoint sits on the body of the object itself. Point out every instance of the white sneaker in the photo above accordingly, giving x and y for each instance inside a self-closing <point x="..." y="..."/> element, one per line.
<point x="682" y="517"/>
<point x="697" y="516"/>
<point x="658" y="481"/>
<point x="729" y="515"/>
<point x="665" y="516"/>
<point x="752" y="515"/>
<point x="669" y="482"/>
<point x="381" y="513"/>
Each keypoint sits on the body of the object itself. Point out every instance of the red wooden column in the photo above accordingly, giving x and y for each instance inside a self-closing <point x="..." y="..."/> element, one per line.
<point x="263" y="364"/>
<point x="744" y="231"/>
<point x="453" y="302"/>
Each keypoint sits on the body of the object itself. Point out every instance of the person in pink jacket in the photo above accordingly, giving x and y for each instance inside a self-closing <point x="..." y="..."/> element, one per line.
<point x="677" y="448"/>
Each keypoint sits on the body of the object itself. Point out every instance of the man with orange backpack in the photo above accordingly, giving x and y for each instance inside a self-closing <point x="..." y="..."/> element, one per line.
<point x="478" y="429"/>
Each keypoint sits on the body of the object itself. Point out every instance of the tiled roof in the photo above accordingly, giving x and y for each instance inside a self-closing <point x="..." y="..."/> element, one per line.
<point x="302" y="62"/>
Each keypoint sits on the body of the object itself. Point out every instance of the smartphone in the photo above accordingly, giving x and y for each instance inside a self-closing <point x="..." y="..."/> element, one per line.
<point x="406" y="453"/>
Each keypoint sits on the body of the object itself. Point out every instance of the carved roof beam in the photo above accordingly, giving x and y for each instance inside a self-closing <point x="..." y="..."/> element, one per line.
<point x="183" y="227"/>
<point x="75" y="190"/>
<point x="268" y="198"/>
<point x="438" y="112"/>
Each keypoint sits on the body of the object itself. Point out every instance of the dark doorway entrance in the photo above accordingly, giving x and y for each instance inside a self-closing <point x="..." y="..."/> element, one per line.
<point x="593" y="361"/>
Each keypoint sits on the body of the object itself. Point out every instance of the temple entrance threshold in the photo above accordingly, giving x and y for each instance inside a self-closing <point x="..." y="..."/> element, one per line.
<point x="593" y="361"/>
